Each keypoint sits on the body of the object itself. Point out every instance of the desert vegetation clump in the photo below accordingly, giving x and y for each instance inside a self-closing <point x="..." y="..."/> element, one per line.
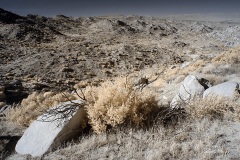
<point x="113" y="103"/>
<point x="35" y="105"/>
<point x="229" y="57"/>
<point x="118" y="102"/>
<point x="214" y="108"/>
<point x="196" y="66"/>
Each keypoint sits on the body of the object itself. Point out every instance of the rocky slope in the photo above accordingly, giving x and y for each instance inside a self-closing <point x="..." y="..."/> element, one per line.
<point x="61" y="51"/>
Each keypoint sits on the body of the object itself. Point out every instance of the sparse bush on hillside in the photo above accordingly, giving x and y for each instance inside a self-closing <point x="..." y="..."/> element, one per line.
<point x="192" y="139"/>
<point x="228" y="57"/>
<point x="214" y="107"/>
<point x="35" y="105"/>
<point x="171" y="73"/>
<point x="214" y="79"/>
<point x="196" y="66"/>
<point x="111" y="104"/>
<point x="2" y="104"/>
<point x="117" y="102"/>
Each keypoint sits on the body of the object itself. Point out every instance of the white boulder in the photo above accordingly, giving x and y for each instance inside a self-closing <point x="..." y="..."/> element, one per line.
<point x="227" y="89"/>
<point x="53" y="128"/>
<point x="189" y="89"/>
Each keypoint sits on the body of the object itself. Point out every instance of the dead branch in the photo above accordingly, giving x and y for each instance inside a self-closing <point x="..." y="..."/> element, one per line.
<point x="147" y="82"/>
<point x="173" y="115"/>
<point x="62" y="113"/>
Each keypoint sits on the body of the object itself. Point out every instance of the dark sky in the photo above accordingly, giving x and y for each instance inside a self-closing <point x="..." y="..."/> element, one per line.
<point x="78" y="8"/>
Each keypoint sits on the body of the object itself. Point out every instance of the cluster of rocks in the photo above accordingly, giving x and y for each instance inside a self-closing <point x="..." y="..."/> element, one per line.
<point x="193" y="87"/>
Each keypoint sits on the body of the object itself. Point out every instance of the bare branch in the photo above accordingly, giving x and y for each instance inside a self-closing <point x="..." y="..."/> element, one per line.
<point x="83" y="96"/>
<point x="62" y="112"/>
<point x="149" y="82"/>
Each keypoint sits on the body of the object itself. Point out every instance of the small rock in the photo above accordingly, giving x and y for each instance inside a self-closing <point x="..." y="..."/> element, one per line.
<point x="141" y="81"/>
<point x="40" y="86"/>
<point x="179" y="44"/>
<point x="67" y="69"/>
<point x="121" y="23"/>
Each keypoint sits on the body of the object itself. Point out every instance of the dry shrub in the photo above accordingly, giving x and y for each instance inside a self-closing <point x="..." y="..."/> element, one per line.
<point x="2" y="104"/>
<point x="88" y="82"/>
<point x="196" y="66"/>
<point x="159" y="83"/>
<point x="214" y="107"/>
<point x="117" y="102"/>
<point x="35" y="105"/>
<point x="214" y="79"/>
<point x="172" y="73"/>
<point x="228" y="57"/>
<point x="192" y="139"/>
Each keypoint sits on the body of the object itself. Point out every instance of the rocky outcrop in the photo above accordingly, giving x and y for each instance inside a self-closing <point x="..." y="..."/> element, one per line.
<point x="227" y="89"/>
<point x="58" y="125"/>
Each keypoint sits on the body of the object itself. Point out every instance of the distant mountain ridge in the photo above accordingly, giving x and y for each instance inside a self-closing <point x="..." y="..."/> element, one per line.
<point x="17" y="27"/>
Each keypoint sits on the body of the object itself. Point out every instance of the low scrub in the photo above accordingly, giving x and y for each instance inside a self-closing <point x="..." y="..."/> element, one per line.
<point x="108" y="105"/>
<point x="229" y="57"/>
<point x="197" y="139"/>
<point x="213" y="107"/>
<point x="35" y="105"/>
<point x="118" y="102"/>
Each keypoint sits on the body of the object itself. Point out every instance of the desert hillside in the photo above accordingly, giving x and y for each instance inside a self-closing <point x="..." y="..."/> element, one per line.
<point x="133" y="73"/>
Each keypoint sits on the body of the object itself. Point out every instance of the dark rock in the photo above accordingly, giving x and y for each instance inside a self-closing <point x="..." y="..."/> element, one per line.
<point x="14" y="92"/>
<point x="205" y="83"/>
<point x="40" y="86"/>
<point x="179" y="44"/>
<point x="121" y="23"/>
<point x="9" y="145"/>
<point x="67" y="69"/>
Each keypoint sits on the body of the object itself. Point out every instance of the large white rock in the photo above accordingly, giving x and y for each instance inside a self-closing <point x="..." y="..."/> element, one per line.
<point x="189" y="89"/>
<point x="227" y="89"/>
<point x="51" y="129"/>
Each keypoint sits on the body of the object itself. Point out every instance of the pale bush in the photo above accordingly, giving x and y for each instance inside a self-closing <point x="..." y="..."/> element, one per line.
<point x="196" y="66"/>
<point x="214" y="107"/>
<point x="116" y="102"/>
<point x="228" y="57"/>
<point x="35" y="105"/>
<point x="214" y="79"/>
<point x="192" y="139"/>
<point x="171" y="73"/>
<point x="2" y="104"/>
